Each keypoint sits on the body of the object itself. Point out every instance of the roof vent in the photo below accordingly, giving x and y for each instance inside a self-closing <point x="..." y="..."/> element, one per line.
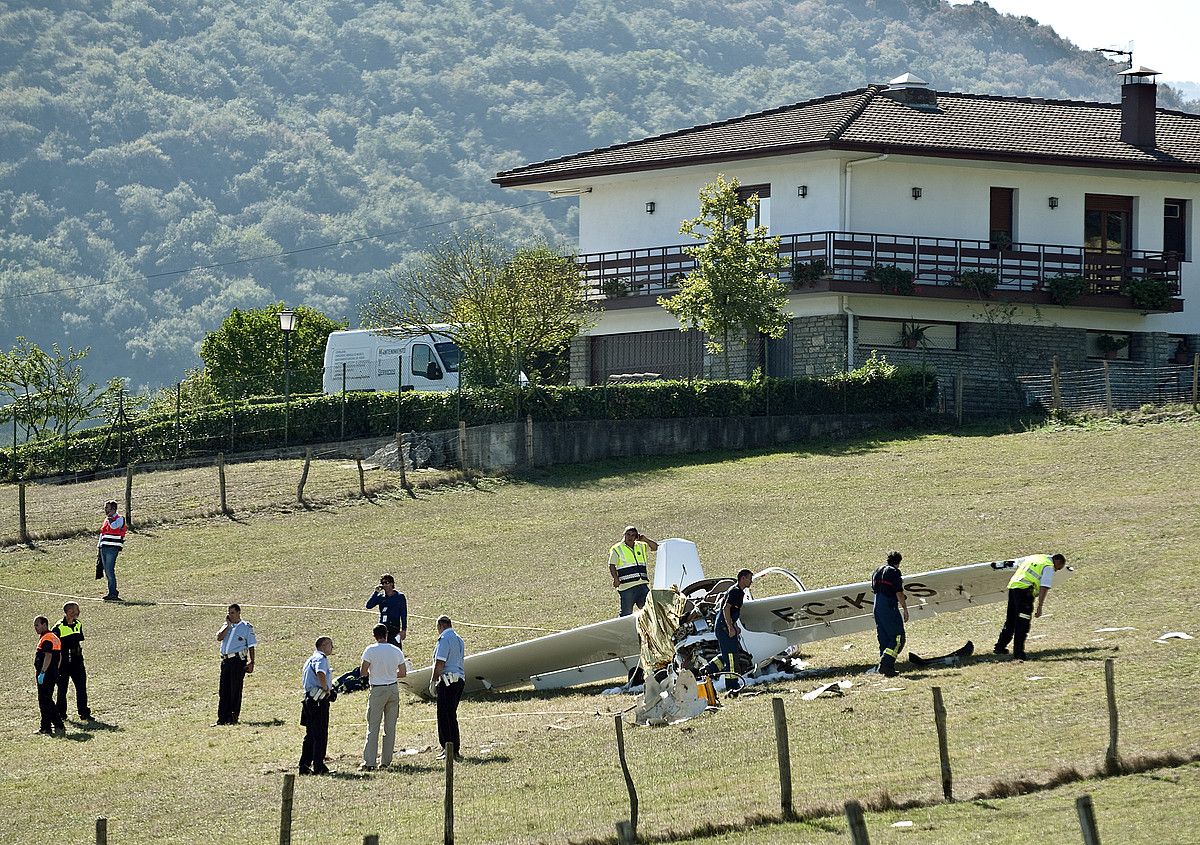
<point x="912" y="91"/>
<point x="1139" y="94"/>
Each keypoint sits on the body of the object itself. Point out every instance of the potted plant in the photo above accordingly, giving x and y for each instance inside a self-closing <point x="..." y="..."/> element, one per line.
<point x="1065" y="289"/>
<point x="1110" y="345"/>
<point x="805" y="273"/>
<point x="1151" y="293"/>
<point x="912" y="335"/>
<point x="614" y="287"/>
<point x="980" y="282"/>
<point x="1183" y="352"/>
<point x="892" y="279"/>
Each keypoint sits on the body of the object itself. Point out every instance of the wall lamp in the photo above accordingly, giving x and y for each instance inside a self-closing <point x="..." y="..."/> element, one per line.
<point x="1054" y="202"/>
<point x="649" y="208"/>
<point x="802" y="191"/>
<point x="916" y="193"/>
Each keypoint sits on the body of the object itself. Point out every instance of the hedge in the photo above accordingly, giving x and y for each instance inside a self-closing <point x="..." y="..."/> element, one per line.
<point x="875" y="387"/>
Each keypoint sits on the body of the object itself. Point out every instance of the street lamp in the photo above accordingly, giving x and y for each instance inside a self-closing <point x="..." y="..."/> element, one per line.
<point x="288" y="320"/>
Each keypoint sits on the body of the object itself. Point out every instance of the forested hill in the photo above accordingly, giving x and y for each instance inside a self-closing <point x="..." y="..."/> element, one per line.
<point x="146" y="136"/>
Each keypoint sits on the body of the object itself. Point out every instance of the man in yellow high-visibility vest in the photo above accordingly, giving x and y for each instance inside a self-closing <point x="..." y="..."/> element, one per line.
<point x="1034" y="575"/>
<point x="628" y="565"/>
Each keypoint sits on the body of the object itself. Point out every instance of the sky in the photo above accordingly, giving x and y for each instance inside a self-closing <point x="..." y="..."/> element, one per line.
<point x="1163" y="31"/>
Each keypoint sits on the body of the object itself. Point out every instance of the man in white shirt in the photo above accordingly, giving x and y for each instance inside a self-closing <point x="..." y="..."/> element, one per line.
<point x="238" y="642"/>
<point x="1034" y="577"/>
<point x="314" y="714"/>
<point x="383" y="664"/>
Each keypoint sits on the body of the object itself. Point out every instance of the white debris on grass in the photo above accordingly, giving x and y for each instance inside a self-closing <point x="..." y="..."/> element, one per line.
<point x="1114" y="630"/>
<point x="1036" y="678"/>
<point x="892" y="689"/>
<point x="902" y="824"/>
<point x="1174" y="635"/>
<point x="831" y="688"/>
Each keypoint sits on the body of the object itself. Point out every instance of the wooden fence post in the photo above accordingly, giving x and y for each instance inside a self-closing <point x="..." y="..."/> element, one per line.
<point x="221" y="480"/>
<point x="362" y="482"/>
<point x="633" y="798"/>
<point x="1087" y="820"/>
<point x="1055" y="386"/>
<point x="462" y="445"/>
<point x="784" y="754"/>
<point x="371" y="839"/>
<point x="625" y="833"/>
<point x="939" y="717"/>
<point x="529" y="439"/>
<point x="858" y="825"/>
<point x="1195" y="384"/>
<point x="129" y="496"/>
<point x="101" y="831"/>
<point x="958" y="397"/>
<point x="285" y="811"/>
<point x="448" y="824"/>
<point x="1108" y="403"/>
<point x="1112" y="759"/>
<point x="404" y="485"/>
<point x="22" y="523"/>
<point x="304" y="476"/>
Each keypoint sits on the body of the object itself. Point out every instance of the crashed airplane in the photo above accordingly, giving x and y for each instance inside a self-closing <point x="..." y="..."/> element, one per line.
<point x="681" y="612"/>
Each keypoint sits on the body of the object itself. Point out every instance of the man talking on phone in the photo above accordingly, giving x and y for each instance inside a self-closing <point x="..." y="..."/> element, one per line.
<point x="393" y="608"/>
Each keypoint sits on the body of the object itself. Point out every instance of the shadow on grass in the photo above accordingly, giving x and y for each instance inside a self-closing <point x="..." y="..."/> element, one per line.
<point x="91" y="725"/>
<point x="849" y="446"/>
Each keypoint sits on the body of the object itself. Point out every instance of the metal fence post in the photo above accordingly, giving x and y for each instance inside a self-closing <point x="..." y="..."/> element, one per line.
<point x="221" y="480"/>
<point x="178" y="403"/>
<point x="1195" y="391"/>
<point x="1055" y="386"/>
<point x="343" y="429"/>
<point x="22" y="525"/>
<point x="129" y="496"/>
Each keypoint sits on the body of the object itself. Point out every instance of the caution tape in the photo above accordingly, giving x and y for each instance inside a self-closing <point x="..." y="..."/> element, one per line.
<point x="173" y="603"/>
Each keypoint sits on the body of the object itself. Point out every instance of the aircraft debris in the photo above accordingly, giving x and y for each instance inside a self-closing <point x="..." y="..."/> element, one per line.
<point x="902" y="824"/>
<point x="1114" y="630"/>
<point x="833" y="688"/>
<point x="954" y="658"/>
<point x="1037" y="678"/>
<point x="1174" y="635"/>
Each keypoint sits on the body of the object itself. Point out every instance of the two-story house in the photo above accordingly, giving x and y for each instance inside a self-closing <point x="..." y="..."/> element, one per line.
<point x="1033" y="191"/>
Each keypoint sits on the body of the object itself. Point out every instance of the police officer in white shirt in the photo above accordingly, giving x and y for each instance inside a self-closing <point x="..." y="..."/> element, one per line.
<point x="314" y="713"/>
<point x="447" y="684"/>
<point x="384" y="664"/>
<point x="237" y="661"/>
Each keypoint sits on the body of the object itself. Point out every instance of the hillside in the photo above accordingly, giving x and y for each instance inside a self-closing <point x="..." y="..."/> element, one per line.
<point x="149" y="136"/>
<point x="531" y="553"/>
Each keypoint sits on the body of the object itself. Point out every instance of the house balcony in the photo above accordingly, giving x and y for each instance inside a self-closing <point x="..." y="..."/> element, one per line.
<point x="631" y="278"/>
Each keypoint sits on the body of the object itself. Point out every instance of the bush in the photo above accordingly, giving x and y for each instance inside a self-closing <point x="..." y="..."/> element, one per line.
<point x="806" y="273"/>
<point x="892" y="279"/>
<point x="1151" y="293"/>
<point x="877" y="386"/>
<point x="614" y="287"/>
<point x="979" y="282"/>
<point x="1064" y="289"/>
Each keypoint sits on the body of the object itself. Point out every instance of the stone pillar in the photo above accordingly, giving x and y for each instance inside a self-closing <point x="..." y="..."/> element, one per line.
<point x="581" y="361"/>
<point x="819" y="345"/>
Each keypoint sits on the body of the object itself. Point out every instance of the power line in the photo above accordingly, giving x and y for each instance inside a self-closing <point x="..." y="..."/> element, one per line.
<point x="285" y="252"/>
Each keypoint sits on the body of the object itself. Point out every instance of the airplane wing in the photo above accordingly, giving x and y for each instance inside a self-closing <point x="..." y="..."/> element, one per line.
<point x="512" y="665"/>
<point x="835" y="611"/>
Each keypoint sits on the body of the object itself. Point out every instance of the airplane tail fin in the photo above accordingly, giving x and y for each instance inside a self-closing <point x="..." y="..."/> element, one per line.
<point x="677" y="564"/>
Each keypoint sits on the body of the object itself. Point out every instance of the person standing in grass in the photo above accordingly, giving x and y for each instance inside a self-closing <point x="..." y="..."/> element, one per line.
<point x="46" y="661"/>
<point x="1034" y="576"/>
<point x="393" y="608"/>
<point x="70" y="633"/>
<point x="627" y="564"/>
<point x="238" y="642"/>
<point x="891" y="612"/>
<point x="383" y="664"/>
<point x="110" y="544"/>
<point x="314" y="713"/>
<point x="725" y="627"/>
<point x="447" y="684"/>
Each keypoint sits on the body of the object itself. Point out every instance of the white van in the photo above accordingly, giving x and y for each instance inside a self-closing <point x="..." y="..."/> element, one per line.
<point x="387" y="360"/>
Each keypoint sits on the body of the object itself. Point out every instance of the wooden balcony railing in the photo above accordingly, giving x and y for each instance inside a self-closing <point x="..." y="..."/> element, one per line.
<point x="933" y="261"/>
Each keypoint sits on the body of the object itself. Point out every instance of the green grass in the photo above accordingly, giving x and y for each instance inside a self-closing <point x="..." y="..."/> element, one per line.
<point x="1118" y="501"/>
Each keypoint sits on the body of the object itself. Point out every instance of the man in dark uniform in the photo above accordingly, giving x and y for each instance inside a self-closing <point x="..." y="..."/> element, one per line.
<point x="70" y="633"/>
<point x="45" y="663"/>
<point x="891" y="612"/>
<point x="729" y="611"/>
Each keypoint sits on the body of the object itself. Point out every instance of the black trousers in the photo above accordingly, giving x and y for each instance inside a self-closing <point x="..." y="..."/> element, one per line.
<point x="229" y="695"/>
<point x="1017" y="620"/>
<point x="316" y="734"/>
<point x="46" y="705"/>
<point x="448" y="696"/>
<point x="73" y="671"/>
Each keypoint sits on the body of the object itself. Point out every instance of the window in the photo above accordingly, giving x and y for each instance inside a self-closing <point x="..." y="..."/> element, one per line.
<point x="450" y="354"/>
<point x="763" y="216"/>
<point x="422" y="357"/>
<point x="1113" y="346"/>
<point x="1175" y="228"/>
<point x="1001" y="231"/>
<point x="1107" y="223"/>
<point x="907" y="334"/>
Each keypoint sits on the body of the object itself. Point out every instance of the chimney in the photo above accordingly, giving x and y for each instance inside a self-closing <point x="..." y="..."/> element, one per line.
<point x="912" y="91"/>
<point x="1139" y="95"/>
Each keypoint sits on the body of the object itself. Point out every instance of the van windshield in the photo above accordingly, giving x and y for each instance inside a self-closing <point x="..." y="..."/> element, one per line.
<point x="450" y="354"/>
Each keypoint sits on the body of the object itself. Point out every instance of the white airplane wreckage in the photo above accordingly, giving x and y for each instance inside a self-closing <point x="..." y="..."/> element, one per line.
<point x="672" y="641"/>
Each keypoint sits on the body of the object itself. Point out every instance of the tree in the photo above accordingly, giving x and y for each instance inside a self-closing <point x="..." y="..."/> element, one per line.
<point x="46" y="391"/>
<point x="244" y="356"/>
<point x="509" y="310"/>
<point x="733" y="286"/>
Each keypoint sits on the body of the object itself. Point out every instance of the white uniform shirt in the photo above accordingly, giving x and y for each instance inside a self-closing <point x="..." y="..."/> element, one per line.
<point x="1048" y="576"/>
<point x="238" y="638"/>
<point x="385" y="660"/>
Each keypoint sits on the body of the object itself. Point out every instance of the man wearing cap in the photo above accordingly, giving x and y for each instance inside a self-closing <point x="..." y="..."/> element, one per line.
<point x="627" y="563"/>
<point x="1035" y="574"/>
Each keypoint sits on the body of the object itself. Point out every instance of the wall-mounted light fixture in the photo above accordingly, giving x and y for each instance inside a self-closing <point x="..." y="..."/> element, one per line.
<point x="916" y="193"/>
<point x="802" y="191"/>
<point x="1054" y="202"/>
<point x="650" y="208"/>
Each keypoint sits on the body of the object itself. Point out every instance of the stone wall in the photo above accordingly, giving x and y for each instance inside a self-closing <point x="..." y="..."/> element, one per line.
<point x="818" y="345"/>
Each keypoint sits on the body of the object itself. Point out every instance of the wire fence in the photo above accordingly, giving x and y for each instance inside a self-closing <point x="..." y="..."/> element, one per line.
<point x="1111" y="386"/>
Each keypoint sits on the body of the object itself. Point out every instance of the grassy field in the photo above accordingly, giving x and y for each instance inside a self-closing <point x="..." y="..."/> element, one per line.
<point x="1118" y="501"/>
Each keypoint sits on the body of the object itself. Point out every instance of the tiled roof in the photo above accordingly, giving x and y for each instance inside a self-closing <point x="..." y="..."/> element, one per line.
<point x="963" y="125"/>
